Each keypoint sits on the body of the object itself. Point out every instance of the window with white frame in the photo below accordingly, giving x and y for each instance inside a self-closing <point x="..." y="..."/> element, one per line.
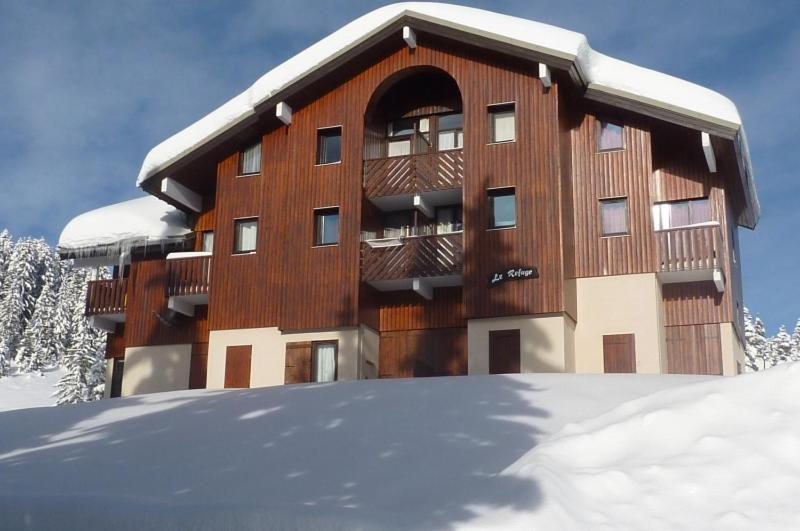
<point x="329" y="145"/>
<point x="610" y="136"/>
<point x="686" y="213"/>
<point x="451" y="131"/>
<point x="502" y="123"/>
<point x="207" y="244"/>
<point x="324" y="361"/>
<point x="250" y="160"/>
<point x="326" y="226"/>
<point x="614" y="216"/>
<point x="245" y="235"/>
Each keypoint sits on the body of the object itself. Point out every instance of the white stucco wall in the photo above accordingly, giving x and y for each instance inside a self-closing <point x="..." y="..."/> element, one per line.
<point x="732" y="349"/>
<point x="545" y="342"/>
<point x="268" y="361"/>
<point x="156" y="369"/>
<point x="620" y="304"/>
<point x="370" y="352"/>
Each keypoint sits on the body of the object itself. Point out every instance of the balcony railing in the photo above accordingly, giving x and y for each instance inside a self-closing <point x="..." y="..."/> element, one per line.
<point x="413" y="257"/>
<point x="106" y="297"/>
<point x="188" y="276"/>
<point x="408" y="174"/>
<point x="689" y="249"/>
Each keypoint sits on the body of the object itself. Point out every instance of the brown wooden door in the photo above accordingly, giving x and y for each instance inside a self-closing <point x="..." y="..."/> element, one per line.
<point x="237" y="366"/>
<point x="298" y="363"/>
<point x="198" y="367"/>
<point x="619" y="353"/>
<point x="504" y="351"/>
<point x="694" y="349"/>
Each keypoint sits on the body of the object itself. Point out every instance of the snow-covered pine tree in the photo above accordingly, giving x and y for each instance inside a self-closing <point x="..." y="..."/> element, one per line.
<point x="796" y="342"/>
<point x="6" y="247"/>
<point x="780" y="346"/>
<point x="753" y="357"/>
<point x="20" y="289"/>
<point x="84" y="346"/>
<point x="761" y="344"/>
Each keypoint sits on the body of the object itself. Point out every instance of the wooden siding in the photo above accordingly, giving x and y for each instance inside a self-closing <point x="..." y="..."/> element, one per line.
<point x="689" y="249"/>
<point x="414" y="173"/>
<point x="694" y="303"/>
<point x="420" y="256"/>
<point x="405" y="310"/>
<point x="420" y="353"/>
<point x="619" y="353"/>
<point x="694" y="349"/>
<point x="620" y="173"/>
<point x="147" y="300"/>
<point x="188" y="276"/>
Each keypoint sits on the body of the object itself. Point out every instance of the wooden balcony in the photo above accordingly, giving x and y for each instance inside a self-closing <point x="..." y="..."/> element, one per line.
<point x="106" y="297"/>
<point x="188" y="283"/>
<point x="188" y="276"/>
<point x="691" y="254"/>
<point x="418" y="262"/>
<point x="410" y="174"/>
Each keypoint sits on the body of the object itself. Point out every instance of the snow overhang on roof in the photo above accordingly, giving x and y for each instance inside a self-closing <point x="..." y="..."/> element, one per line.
<point x="109" y="231"/>
<point x="604" y="79"/>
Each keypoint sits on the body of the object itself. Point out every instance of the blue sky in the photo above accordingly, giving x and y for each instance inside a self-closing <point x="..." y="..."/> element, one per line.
<point x="87" y="88"/>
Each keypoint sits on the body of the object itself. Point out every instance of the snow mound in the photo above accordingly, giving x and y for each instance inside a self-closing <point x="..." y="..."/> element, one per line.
<point x="142" y="221"/>
<point x="599" y="72"/>
<point x="19" y="391"/>
<point x="718" y="455"/>
<point x="551" y="452"/>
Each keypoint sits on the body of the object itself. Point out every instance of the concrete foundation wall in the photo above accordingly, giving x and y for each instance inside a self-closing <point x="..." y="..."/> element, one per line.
<point x="268" y="361"/>
<point x="620" y="304"/>
<point x="155" y="369"/>
<point x="546" y="342"/>
<point x="732" y="349"/>
<point x="370" y="352"/>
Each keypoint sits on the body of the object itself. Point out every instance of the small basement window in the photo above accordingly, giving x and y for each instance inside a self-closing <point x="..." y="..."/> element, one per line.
<point x="329" y="145"/>
<point x="614" y="216"/>
<point x="610" y="136"/>
<point x="245" y="235"/>
<point x="502" y="127"/>
<point x="502" y="208"/>
<point x="326" y="226"/>
<point x="250" y="160"/>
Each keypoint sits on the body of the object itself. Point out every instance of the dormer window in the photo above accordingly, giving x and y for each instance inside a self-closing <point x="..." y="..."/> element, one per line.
<point x="610" y="136"/>
<point x="250" y="160"/>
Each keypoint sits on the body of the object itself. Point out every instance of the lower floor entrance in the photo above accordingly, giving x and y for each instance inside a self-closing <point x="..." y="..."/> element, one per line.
<point x="416" y="353"/>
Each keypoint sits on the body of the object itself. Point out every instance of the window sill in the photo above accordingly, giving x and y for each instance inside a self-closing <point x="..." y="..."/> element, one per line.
<point x="611" y="150"/>
<point x="323" y="245"/>
<point x="607" y="236"/>
<point x="243" y="253"/>
<point x="243" y="175"/>
<point x="327" y="163"/>
<point x="501" y="142"/>
<point x="501" y="228"/>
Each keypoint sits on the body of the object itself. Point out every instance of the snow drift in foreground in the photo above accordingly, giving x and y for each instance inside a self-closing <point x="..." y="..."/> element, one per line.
<point x="503" y="452"/>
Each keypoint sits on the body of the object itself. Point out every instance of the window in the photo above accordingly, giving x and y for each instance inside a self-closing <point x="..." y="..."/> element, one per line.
<point x="207" y="244"/>
<point x="117" y="369"/>
<point x="614" y="216"/>
<point x="324" y="361"/>
<point x="501" y="123"/>
<point x="408" y="135"/>
<point x="329" y="145"/>
<point x="326" y="226"/>
<point x="681" y="213"/>
<point x="397" y="224"/>
<point x="609" y="136"/>
<point x="449" y="219"/>
<point x="250" y="160"/>
<point x="244" y="238"/>
<point x="502" y="208"/>
<point x="451" y="131"/>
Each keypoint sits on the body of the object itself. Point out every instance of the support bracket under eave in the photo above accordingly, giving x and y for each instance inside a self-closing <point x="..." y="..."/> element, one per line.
<point x="180" y="193"/>
<point x="422" y="288"/>
<point x="284" y="112"/>
<point x="708" y="151"/>
<point x="544" y="75"/>
<point x="410" y="37"/>
<point x="719" y="280"/>
<point x="181" y="306"/>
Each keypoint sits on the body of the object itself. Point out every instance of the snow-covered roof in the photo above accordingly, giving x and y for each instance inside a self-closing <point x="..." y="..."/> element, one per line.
<point x="138" y="222"/>
<point x="603" y="76"/>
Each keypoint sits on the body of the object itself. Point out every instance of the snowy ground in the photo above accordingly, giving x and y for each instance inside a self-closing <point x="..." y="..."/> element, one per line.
<point x="528" y="452"/>
<point x="19" y="391"/>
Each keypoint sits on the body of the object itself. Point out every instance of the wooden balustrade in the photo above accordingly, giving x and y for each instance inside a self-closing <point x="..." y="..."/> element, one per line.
<point x="689" y="248"/>
<point x="104" y="297"/>
<point x="414" y="257"/>
<point x="188" y="276"/>
<point x="409" y="174"/>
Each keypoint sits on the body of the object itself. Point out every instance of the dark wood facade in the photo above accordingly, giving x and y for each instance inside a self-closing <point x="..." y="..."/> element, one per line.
<point x="553" y="164"/>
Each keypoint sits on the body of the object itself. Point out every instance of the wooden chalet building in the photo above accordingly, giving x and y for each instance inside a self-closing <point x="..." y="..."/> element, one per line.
<point x="431" y="190"/>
